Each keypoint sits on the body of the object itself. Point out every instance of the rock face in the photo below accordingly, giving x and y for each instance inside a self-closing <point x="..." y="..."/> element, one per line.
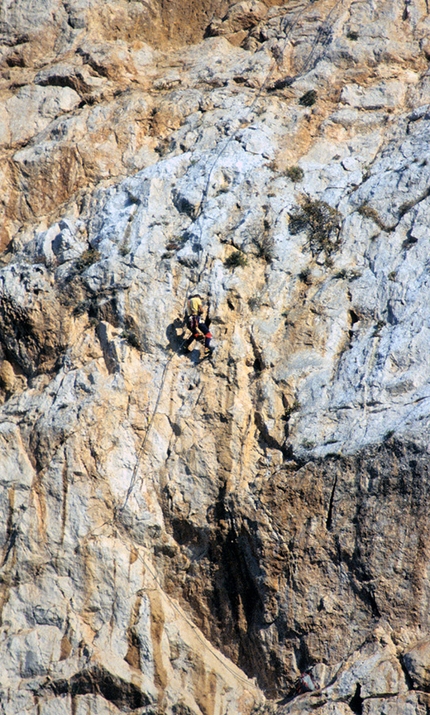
<point x="183" y="536"/>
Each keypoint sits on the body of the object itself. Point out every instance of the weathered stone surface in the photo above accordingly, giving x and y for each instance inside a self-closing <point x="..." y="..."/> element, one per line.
<point x="416" y="662"/>
<point x="187" y="537"/>
<point x="30" y="308"/>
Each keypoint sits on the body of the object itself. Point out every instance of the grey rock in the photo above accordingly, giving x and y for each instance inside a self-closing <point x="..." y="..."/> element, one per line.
<point x="170" y="524"/>
<point x="416" y="662"/>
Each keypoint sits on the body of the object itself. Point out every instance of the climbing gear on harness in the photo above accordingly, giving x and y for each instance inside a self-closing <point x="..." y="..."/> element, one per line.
<point x="193" y="325"/>
<point x="199" y="330"/>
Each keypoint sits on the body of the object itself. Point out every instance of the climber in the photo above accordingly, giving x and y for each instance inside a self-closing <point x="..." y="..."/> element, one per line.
<point x="196" y="325"/>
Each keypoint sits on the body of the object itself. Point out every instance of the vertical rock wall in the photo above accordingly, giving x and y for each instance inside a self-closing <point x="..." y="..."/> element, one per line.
<point x="183" y="536"/>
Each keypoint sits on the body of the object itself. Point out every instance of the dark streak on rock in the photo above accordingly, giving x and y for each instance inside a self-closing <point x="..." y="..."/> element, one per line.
<point x="96" y="680"/>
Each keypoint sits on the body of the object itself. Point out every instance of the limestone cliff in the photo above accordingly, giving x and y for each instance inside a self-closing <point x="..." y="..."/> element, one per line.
<point x="183" y="536"/>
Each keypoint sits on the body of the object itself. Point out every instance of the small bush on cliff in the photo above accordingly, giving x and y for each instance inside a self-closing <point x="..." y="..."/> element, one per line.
<point x="87" y="258"/>
<point x="235" y="260"/>
<point x="265" y="247"/>
<point x="309" y="98"/>
<point x="306" y="276"/>
<point x="320" y="221"/>
<point x="295" y="173"/>
<point x="254" y="303"/>
<point x="124" y="250"/>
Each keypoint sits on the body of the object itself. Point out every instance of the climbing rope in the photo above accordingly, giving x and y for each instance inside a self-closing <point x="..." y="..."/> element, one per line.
<point x="245" y="122"/>
<point x="323" y="32"/>
<point x="145" y="436"/>
<point x="288" y="30"/>
<point x="15" y="528"/>
<point x="183" y="615"/>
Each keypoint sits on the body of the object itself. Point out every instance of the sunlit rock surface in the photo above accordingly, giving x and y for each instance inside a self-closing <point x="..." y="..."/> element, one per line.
<point x="183" y="536"/>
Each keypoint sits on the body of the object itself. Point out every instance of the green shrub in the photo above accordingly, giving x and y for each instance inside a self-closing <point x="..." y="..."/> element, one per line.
<point x="306" y="276"/>
<point x="173" y="245"/>
<point x="320" y="221"/>
<point x="265" y="247"/>
<point x="295" y="173"/>
<point x="254" y="303"/>
<point x="87" y="258"/>
<point x="309" y="98"/>
<point x="235" y="260"/>
<point x="341" y="274"/>
<point x="124" y="250"/>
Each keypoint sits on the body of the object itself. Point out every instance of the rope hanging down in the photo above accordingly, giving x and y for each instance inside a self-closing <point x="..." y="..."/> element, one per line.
<point x="323" y="32"/>
<point x="245" y="121"/>
<point x="288" y="29"/>
<point x="15" y="530"/>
